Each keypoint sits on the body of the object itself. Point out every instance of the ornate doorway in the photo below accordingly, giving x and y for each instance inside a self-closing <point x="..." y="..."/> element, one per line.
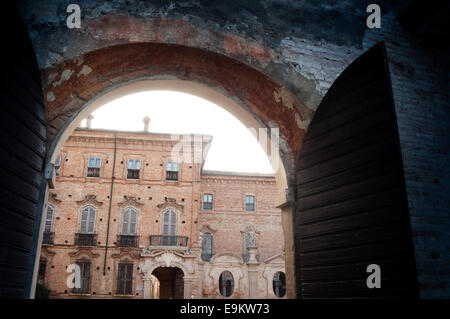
<point x="171" y="282"/>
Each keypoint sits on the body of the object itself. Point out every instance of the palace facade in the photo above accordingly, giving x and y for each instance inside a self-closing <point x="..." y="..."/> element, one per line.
<point x="134" y="215"/>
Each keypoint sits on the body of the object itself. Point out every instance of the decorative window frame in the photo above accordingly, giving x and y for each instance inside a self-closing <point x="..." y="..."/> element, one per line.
<point x="130" y="202"/>
<point x="89" y="200"/>
<point x="177" y="214"/>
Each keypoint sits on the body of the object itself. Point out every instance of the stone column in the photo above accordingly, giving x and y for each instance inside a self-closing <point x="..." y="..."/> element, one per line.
<point x="252" y="266"/>
<point x="187" y="287"/>
<point x="147" y="287"/>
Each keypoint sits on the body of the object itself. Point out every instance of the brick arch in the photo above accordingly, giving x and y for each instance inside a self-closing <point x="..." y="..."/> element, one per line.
<point x="73" y="87"/>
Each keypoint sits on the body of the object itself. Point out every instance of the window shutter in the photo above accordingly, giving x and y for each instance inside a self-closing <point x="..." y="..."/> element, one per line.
<point x="84" y="218"/>
<point x="91" y="220"/>
<point x="58" y="161"/>
<point x="173" y="220"/>
<point x="132" y="222"/>
<point x="129" y="278"/>
<point x="125" y="221"/>
<point x="120" y="281"/>
<point x="49" y="219"/>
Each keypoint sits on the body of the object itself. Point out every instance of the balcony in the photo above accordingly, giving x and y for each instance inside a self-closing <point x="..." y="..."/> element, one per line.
<point x="127" y="241"/>
<point x="47" y="239"/>
<point x="85" y="239"/>
<point x="163" y="241"/>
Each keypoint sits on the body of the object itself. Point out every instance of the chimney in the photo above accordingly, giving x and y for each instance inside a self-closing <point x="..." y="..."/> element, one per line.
<point x="89" y="120"/>
<point x="146" y="121"/>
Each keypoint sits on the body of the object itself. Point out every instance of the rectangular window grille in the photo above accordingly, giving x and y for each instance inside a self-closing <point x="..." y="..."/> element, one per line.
<point x="172" y="169"/>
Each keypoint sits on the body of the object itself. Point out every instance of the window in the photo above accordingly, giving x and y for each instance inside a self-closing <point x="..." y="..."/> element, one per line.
<point x="279" y="284"/>
<point x="129" y="217"/>
<point x="134" y="167"/>
<point x="169" y="229"/>
<point x="94" y="164"/>
<point x="87" y="223"/>
<point x="226" y="283"/>
<point x="41" y="271"/>
<point x="85" y="273"/>
<point x="207" y="201"/>
<point x="172" y="169"/>
<point x="49" y="219"/>
<point x="207" y="246"/>
<point x="47" y="239"/>
<point x="246" y="244"/>
<point x="249" y="203"/>
<point x="57" y="165"/>
<point x="125" y="279"/>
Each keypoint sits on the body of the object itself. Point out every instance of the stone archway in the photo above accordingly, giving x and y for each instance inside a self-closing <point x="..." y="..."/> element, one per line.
<point x="171" y="282"/>
<point x="77" y="87"/>
<point x="166" y="259"/>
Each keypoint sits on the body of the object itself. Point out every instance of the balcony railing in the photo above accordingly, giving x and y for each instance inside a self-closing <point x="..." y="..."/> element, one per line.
<point x="171" y="176"/>
<point x="86" y="239"/>
<point x="133" y="174"/>
<point x="127" y="240"/>
<point x="165" y="240"/>
<point x="47" y="239"/>
<point x="207" y="205"/>
<point x="93" y="172"/>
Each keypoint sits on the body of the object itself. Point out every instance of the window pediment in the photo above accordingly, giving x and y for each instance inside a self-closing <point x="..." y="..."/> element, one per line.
<point x="90" y="199"/>
<point x="170" y="202"/>
<point x="130" y="201"/>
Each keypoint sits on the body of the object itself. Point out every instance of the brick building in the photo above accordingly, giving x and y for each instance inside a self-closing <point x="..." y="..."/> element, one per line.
<point x="162" y="227"/>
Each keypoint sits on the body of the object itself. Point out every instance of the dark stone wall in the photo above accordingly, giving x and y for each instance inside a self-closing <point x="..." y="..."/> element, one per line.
<point x="303" y="46"/>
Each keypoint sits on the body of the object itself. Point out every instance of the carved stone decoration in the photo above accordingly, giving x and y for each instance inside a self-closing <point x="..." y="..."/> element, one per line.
<point x="207" y="229"/>
<point x="168" y="259"/>
<point x="84" y="251"/>
<point x="52" y="198"/>
<point x="89" y="199"/>
<point x="170" y="202"/>
<point x="253" y="235"/>
<point x="130" y="201"/>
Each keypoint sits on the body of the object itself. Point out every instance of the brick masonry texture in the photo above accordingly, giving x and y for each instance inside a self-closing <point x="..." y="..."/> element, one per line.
<point x="150" y="195"/>
<point x="303" y="46"/>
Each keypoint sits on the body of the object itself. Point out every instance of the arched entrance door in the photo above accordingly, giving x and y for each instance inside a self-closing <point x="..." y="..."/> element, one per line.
<point x="171" y="282"/>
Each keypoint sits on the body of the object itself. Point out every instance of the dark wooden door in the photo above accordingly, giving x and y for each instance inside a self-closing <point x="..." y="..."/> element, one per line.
<point x="22" y="153"/>
<point x="351" y="201"/>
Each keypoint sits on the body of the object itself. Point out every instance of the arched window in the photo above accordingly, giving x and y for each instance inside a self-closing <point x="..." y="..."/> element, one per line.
<point x="129" y="217"/>
<point x="279" y="284"/>
<point x="226" y="283"/>
<point x="87" y="223"/>
<point x="169" y="228"/>
<point x="207" y="246"/>
<point x="49" y="219"/>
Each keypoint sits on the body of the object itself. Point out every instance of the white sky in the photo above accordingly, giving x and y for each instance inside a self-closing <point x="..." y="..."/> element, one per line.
<point x="233" y="147"/>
